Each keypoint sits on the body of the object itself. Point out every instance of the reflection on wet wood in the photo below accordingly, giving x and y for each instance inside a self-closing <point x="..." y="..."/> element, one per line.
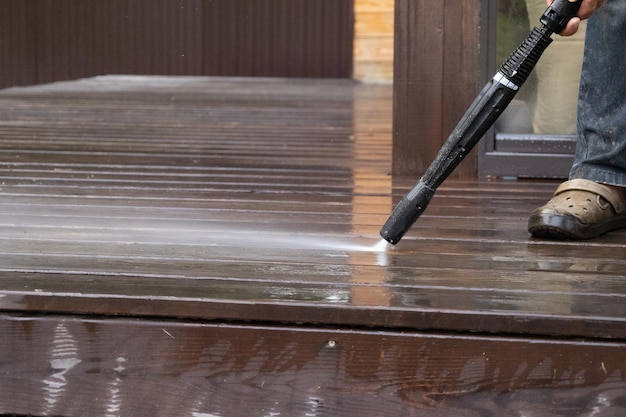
<point x="257" y="204"/>
<point x="220" y="370"/>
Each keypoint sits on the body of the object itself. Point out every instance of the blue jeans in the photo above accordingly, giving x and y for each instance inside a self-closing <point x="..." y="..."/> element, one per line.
<point x="601" y="146"/>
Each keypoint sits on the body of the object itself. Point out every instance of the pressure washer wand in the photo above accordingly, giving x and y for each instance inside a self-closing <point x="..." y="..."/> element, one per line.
<point x="480" y="116"/>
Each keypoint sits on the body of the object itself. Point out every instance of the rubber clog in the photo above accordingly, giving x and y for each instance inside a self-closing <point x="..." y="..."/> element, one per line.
<point x="580" y="209"/>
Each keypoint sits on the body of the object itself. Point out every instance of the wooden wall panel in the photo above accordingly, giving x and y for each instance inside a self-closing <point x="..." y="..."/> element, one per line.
<point x="373" y="40"/>
<point x="285" y="37"/>
<point x="462" y="71"/>
<point x="43" y="41"/>
<point x="418" y="85"/>
<point x="17" y="44"/>
<point x="437" y="73"/>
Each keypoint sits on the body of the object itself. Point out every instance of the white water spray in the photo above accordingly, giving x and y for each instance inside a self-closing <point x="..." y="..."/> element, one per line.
<point x="380" y="246"/>
<point x="181" y="232"/>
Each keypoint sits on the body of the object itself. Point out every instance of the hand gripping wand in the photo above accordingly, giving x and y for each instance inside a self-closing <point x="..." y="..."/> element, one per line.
<point x="486" y="108"/>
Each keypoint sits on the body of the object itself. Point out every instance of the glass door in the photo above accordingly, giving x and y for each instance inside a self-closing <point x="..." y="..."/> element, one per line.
<point x="535" y="136"/>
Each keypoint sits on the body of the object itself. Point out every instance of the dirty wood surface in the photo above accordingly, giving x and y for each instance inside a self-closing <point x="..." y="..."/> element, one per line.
<point x="261" y="199"/>
<point x="209" y="247"/>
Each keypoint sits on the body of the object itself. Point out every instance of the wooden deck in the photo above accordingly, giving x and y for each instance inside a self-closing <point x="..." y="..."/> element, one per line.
<point x="208" y="247"/>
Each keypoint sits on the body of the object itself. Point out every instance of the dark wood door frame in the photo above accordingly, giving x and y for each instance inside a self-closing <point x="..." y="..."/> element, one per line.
<point x="440" y="64"/>
<point x="444" y="54"/>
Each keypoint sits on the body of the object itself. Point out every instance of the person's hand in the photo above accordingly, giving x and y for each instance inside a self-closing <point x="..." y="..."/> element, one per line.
<point x="587" y="7"/>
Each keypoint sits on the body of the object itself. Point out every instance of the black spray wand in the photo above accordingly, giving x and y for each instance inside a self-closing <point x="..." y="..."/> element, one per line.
<point x="480" y="116"/>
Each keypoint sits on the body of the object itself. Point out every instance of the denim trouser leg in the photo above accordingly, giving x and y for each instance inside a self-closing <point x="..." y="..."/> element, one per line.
<point x="601" y="147"/>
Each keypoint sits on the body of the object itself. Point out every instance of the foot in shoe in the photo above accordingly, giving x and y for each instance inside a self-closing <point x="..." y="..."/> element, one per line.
<point x="580" y="209"/>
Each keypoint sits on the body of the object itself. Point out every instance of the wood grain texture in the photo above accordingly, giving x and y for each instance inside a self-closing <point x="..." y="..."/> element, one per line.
<point x="260" y="199"/>
<point x="461" y="69"/>
<point x="44" y="41"/>
<point x="202" y="246"/>
<point x="436" y="77"/>
<point x="418" y="85"/>
<point x="85" y="367"/>
<point x="373" y="41"/>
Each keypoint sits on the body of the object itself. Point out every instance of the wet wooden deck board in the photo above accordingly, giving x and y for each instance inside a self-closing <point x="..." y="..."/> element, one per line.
<point x="165" y="368"/>
<point x="230" y="192"/>
<point x="139" y="211"/>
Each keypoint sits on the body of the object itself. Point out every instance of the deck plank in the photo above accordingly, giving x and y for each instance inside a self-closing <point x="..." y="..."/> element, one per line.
<point x="243" y="200"/>
<point x="168" y="368"/>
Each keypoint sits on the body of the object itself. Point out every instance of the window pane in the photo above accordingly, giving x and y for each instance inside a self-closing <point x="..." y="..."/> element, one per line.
<point x="546" y="104"/>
